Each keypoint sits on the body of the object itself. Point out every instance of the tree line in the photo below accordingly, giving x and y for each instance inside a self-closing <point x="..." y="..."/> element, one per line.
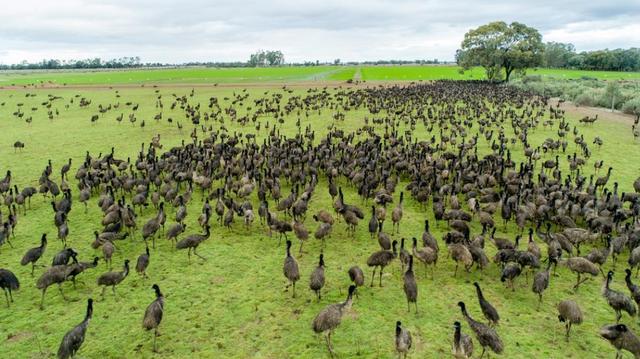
<point x="93" y="63"/>
<point x="503" y="49"/>
<point x="564" y="55"/>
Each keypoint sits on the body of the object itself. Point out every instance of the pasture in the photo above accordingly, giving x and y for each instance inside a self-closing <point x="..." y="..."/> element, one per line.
<point x="233" y="303"/>
<point x="447" y="72"/>
<point x="194" y="75"/>
<point x="299" y="74"/>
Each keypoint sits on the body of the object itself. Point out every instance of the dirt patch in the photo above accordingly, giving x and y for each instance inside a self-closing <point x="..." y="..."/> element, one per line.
<point x="602" y="113"/>
<point x="19" y="336"/>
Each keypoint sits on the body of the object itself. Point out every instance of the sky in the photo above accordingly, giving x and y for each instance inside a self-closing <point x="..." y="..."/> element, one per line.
<point x="351" y="30"/>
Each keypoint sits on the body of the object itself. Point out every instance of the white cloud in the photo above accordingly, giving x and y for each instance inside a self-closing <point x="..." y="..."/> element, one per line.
<point x="204" y="30"/>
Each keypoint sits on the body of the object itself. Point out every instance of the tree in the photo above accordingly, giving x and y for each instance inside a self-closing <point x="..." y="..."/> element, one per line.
<point x="274" y="58"/>
<point x="558" y="54"/>
<point x="500" y="47"/>
<point x="612" y="92"/>
<point x="264" y="58"/>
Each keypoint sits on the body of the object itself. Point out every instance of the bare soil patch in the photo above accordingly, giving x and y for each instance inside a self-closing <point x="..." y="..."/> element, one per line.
<point x="602" y="113"/>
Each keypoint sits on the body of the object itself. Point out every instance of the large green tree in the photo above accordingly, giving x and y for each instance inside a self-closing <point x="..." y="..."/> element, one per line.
<point x="501" y="48"/>
<point x="266" y="58"/>
<point x="558" y="54"/>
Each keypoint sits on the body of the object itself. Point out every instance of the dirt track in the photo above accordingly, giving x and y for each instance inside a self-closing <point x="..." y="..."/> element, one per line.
<point x="592" y="111"/>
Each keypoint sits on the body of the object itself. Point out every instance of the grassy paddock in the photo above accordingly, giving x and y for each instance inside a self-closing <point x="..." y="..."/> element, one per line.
<point x="233" y="304"/>
<point x="180" y="75"/>
<point x="202" y="75"/>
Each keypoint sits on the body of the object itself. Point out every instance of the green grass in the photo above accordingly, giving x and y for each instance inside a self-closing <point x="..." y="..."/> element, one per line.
<point x="430" y="72"/>
<point x="577" y="74"/>
<point x="415" y="73"/>
<point x="182" y="75"/>
<point x="201" y="75"/>
<point x="233" y="304"/>
<point x="343" y="74"/>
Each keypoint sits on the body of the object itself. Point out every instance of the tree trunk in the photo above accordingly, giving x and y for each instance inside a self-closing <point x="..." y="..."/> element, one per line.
<point x="613" y="101"/>
<point x="508" y="71"/>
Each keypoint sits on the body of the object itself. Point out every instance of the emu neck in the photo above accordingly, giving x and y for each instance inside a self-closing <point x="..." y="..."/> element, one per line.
<point x="456" y="337"/>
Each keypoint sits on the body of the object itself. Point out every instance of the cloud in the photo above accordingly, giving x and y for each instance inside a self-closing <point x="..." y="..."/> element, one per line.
<point x="204" y="30"/>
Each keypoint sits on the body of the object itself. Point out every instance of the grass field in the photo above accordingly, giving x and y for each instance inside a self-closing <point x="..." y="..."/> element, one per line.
<point x="415" y="73"/>
<point x="233" y="304"/>
<point x="183" y="75"/>
<point x="277" y="75"/>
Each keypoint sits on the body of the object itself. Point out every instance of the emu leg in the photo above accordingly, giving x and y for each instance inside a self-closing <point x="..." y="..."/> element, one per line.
<point x="7" y="296"/>
<point x="113" y="287"/>
<point x="456" y="271"/>
<point x="381" y="269"/>
<point x="42" y="300"/>
<point x="575" y="287"/>
<point x="155" y="336"/>
<point x="373" y="275"/>
<point x="61" y="292"/>
<point x="539" y="301"/>
<point x="326" y="338"/>
<point x="294" y="289"/>
<point x="196" y="253"/>
<point x="330" y="345"/>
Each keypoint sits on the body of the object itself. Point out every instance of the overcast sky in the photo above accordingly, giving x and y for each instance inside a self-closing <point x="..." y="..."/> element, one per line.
<point x="209" y="30"/>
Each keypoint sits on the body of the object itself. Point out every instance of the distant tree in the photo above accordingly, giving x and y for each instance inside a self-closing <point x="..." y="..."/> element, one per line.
<point x="274" y="58"/>
<point x="264" y="58"/>
<point x="336" y="62"/>
<point x="576" y="61"/>
<point x="558" y="54"/>
<point x="497" y="46"/>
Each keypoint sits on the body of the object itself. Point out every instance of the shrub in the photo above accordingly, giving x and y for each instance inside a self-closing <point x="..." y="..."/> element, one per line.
<point x="531" y="78"/>
<point x="632" y="106"/>
<point x="589" y="97"/>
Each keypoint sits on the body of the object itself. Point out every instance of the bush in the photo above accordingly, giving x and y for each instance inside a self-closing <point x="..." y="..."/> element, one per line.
<point x="531" y="78"/>
<point x="589" y="98"/>
<point x="632" y="106"/>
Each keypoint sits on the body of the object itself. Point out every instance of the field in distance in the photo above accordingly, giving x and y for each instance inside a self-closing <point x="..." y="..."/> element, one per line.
<point x="192" y="75"/>
<point x="202" y="75"/>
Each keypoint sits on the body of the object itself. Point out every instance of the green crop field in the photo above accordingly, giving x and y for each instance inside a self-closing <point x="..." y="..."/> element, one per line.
<point x="416" y="73"/>
<point x="181" y="75"/>
<point x="437" y="72"/>
<point x="578" y="74"/>
<point x="233" y="304"/>
<point x="198" y="75"/>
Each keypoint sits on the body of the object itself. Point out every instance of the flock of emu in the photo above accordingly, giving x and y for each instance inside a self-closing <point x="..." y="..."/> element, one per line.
<point x="464" y="176"/>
